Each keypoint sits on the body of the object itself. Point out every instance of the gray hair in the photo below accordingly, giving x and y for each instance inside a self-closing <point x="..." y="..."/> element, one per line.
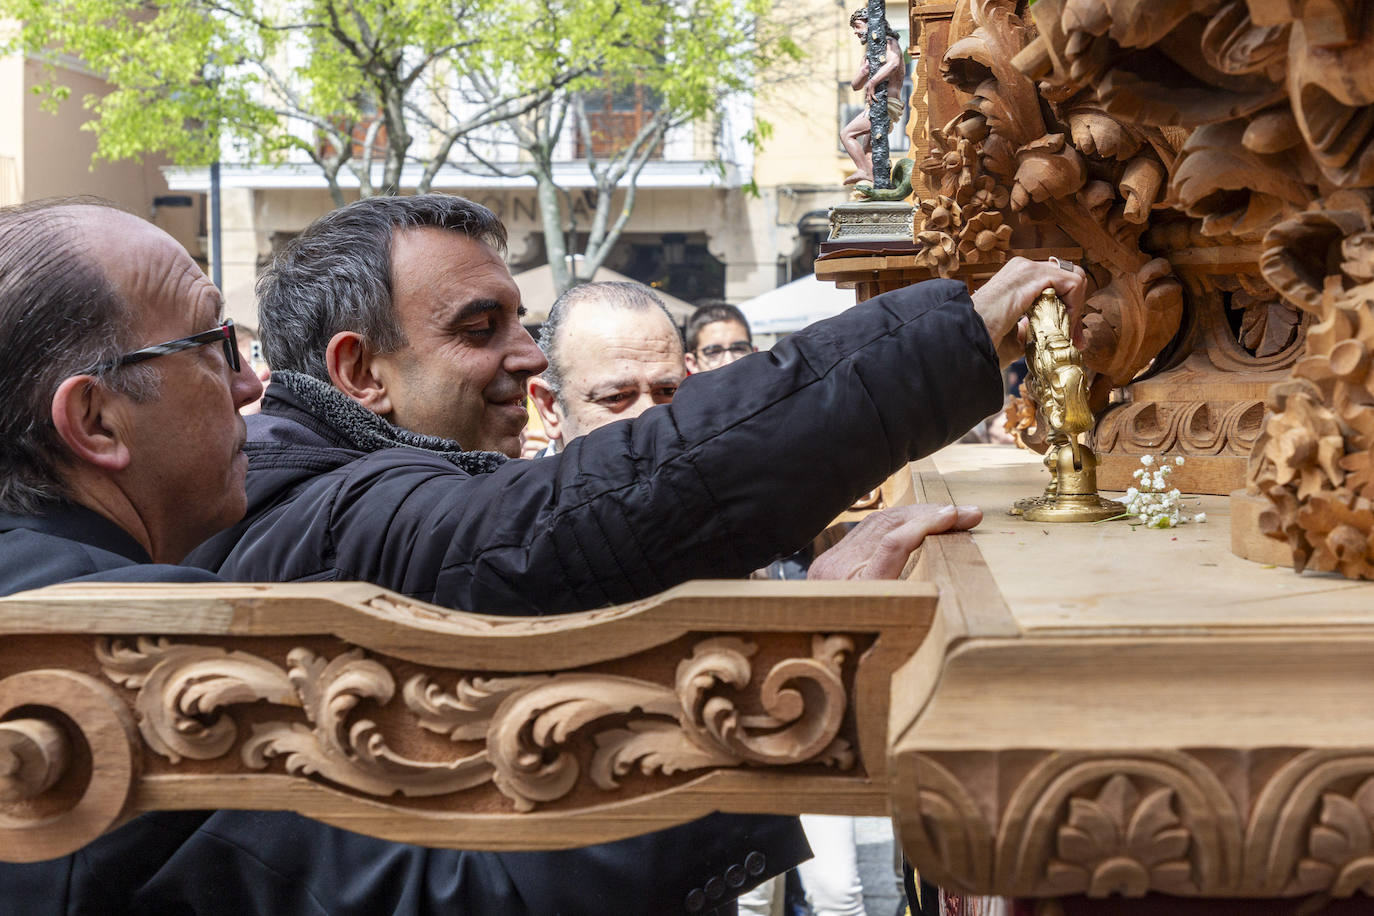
<point x="59" y="317"/>
<point x="336" y="276"/>
<point x="618" y="293"/>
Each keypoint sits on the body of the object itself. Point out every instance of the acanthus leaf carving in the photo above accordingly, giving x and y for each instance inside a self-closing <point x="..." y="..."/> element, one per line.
<point x="1340" y="846"/>
<point x="691" y="726"/>
<point x="352" y="753"/>
<point x="182" y="689"/>
<point x="1122" y="842"/>
<point x="1046" y="169"/>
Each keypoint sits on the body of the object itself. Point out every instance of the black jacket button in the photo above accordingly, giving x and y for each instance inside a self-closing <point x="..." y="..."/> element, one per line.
<point x="755" y="863"/>
<point x="715" y="889"/>
<point x="696" y="900"/>
<point x="734" y="876"/>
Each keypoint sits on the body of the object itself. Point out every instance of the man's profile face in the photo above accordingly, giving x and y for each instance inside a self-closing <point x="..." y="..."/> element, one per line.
<point x="719" y="344"/>
<point x="186" y="473"/>
<point x="461" y="374"/>
<point x="617" y="363"/>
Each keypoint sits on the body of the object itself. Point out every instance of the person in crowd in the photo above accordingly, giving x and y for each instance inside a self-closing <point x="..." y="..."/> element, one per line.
<point x="397" y="396"/>
<point x="717" y="335"/>
<point x="613" y="352"/>
<point x="120" y="449"/>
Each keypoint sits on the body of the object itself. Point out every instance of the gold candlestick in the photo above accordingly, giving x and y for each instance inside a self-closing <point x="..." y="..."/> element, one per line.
<point x="1060" y="386"/>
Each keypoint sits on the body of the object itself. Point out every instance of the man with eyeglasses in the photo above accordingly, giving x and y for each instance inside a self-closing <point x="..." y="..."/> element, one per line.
<point x="717" y="335"/>
<point x="120" y="439"/>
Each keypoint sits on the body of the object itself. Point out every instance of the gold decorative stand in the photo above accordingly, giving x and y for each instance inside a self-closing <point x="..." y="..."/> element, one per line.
<point x="1059" y="385"/>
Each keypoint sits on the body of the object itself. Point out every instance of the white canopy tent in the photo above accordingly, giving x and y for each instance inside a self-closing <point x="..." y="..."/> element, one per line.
<point x="795" y="305"/>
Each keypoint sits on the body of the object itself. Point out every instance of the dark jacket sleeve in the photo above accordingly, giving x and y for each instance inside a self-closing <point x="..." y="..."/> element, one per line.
<point x="748" y="463"/>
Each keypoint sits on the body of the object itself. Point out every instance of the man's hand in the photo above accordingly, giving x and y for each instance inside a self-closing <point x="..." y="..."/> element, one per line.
<point x="879" y="546"/>
<point x="1009" y="294"/>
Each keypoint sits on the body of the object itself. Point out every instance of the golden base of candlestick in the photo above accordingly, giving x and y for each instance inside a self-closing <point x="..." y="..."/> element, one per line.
<point x="1068" y="508"/>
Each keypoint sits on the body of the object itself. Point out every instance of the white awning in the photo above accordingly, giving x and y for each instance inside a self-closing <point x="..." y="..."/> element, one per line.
<point x="794" y="306"/>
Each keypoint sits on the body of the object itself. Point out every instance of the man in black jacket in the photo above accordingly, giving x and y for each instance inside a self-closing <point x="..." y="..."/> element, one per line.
<point x="393" y="329"/>
<point x="120" y="448"/>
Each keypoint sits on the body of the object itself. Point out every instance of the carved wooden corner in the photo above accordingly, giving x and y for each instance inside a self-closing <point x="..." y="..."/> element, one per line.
<point x="402" y="720"/>
<point x="1227" y="758"/>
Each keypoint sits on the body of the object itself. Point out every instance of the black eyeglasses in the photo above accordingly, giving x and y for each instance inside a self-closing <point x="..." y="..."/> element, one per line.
<point x="224" y="333"/>
<point x="738" y="348"/>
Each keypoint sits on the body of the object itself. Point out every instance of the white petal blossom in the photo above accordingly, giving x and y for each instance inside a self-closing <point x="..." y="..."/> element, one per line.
<point x="1153" y="503"/>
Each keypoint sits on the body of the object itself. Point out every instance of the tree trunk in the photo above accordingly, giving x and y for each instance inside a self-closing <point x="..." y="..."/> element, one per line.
<point x="551" y="214"/>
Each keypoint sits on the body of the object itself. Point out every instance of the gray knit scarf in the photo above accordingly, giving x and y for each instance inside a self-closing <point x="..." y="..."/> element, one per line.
<point x="367" y="432"/>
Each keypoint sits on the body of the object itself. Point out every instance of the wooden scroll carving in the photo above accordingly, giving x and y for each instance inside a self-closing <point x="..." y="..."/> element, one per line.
<point x="1276" y="98"/>
<point x="520" y="729"/>
<point x="406" y="721"/>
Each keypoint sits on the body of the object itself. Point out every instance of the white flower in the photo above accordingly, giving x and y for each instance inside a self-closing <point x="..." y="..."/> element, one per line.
<point x="1147" y="460"/>
<point x="1200" y="518"/>
<point x="1139" y="473"/>
<point x="1179" y="461"/>
<point x="1131" y="493"/>
<point x="1174" y="494"/>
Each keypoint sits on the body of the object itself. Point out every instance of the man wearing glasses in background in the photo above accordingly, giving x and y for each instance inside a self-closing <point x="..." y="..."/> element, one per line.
<point x="717" y="335"/>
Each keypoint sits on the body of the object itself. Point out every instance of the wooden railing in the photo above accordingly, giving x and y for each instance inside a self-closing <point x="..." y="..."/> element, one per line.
<point x="1073" y="712"/>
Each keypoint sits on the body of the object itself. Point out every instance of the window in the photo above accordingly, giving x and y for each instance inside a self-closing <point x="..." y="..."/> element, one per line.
<point x="615" y="115"/>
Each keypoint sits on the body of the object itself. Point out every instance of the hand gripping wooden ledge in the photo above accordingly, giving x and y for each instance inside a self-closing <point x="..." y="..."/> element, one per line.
<point x="394" y="718"/>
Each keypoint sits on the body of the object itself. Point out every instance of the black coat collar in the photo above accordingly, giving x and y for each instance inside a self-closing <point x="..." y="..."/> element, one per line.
<point x="77" y="523"/>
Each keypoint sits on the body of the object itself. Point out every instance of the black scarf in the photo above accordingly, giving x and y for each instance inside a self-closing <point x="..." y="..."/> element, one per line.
<point x="364" y="430"/>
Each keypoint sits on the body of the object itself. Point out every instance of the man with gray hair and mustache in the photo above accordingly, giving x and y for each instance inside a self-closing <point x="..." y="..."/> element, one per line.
<point x="397" y="396"/>
<point x="613" y="353"/>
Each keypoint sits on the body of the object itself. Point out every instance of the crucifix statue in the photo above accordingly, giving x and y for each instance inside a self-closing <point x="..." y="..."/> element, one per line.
<point x="880" y="79"/>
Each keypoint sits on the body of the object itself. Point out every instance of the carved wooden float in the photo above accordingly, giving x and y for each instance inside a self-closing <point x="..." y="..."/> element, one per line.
<point x="1212" y="163"/>
<point x="1073" y="712"/>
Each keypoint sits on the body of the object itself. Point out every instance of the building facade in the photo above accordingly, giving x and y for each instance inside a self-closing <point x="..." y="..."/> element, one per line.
<point x="694" y="232"/>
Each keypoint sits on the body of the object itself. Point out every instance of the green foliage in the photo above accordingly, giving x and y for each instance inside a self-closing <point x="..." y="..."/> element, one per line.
<point x="267" y="77"/>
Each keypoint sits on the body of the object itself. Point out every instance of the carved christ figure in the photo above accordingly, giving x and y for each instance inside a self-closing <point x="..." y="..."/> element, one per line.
<point x="857" y="135"/>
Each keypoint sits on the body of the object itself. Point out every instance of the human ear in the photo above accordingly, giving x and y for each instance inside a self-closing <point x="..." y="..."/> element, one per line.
<point x="353" y="370"/>
<point x="689" y="360"/>
<point x="88" y="420"/>
<point x="546" y="402"/>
